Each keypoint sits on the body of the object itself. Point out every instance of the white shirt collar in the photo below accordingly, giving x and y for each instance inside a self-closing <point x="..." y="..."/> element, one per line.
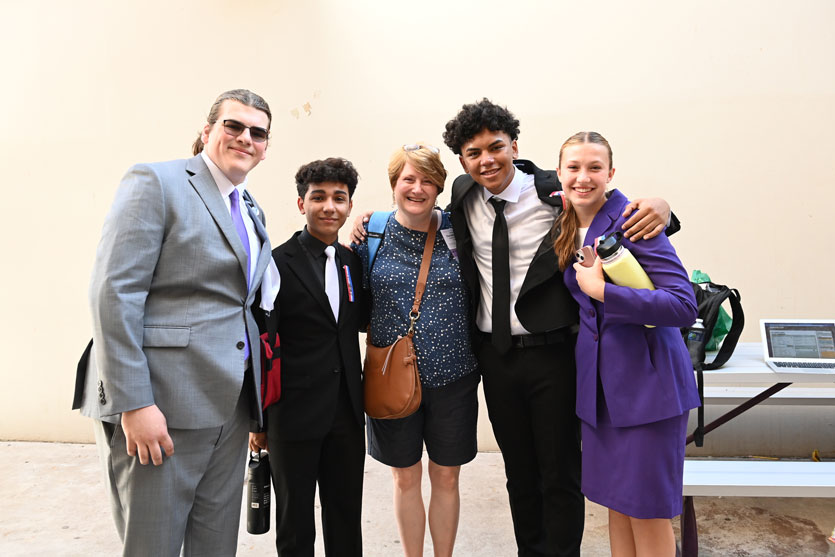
<point x="224" y="184"/>
<point x="511" y="192"/>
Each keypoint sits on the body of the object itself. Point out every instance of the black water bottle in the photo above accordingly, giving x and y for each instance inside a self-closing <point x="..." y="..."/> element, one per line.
<point x="258" y="493"/>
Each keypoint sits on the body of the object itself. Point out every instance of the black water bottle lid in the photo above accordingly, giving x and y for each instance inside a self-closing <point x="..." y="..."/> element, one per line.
<point x="609" y="244"/>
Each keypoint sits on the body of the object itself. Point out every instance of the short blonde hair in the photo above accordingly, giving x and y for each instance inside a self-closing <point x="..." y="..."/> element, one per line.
<point x="425" y="161"/>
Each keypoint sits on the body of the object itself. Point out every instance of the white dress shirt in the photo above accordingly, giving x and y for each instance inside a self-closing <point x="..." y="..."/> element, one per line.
<point x="226" y="187"/>
<point x="580" y="237"/>
<point x="528" y="221"/>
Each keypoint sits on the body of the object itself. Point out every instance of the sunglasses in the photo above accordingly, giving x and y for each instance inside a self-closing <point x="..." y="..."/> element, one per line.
<point x="235" y="128"/>
<point x="418" y="147"/>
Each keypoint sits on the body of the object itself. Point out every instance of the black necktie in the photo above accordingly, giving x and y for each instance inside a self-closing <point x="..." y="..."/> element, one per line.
<point x="501" y="279"/>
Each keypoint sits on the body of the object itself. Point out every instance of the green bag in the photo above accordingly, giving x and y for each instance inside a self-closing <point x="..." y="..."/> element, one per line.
<point x="723" y="322"/>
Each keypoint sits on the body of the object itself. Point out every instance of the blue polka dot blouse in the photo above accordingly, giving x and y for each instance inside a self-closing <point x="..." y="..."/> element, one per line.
<point x="442" y="333"/>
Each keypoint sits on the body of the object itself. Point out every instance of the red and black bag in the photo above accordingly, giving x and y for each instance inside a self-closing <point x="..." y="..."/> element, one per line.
<point x="270" y="364"/>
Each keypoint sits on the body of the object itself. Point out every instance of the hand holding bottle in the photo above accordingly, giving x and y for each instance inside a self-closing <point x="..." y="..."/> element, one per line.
<point x="590" y="279"/>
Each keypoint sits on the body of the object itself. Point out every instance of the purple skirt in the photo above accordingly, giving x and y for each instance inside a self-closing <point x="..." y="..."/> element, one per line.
<point x="637" y="471"/>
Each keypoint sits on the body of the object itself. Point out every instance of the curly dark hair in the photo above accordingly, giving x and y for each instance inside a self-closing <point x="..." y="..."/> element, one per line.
<point x="333" y="169"/>
<point x="475" y="117"/>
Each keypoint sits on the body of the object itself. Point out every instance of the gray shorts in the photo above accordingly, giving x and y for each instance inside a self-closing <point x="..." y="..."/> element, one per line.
<point x="445" y="421"/>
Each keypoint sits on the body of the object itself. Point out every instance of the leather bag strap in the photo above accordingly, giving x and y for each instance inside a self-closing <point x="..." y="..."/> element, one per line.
<point x="424" y="266"/>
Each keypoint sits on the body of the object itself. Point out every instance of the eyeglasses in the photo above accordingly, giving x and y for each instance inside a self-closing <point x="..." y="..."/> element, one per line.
<point x="235" y="128"/>
<point x="418" y="147"/>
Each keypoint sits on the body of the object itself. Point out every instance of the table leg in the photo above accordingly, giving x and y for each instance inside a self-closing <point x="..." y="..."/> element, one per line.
<point x="689" y="532"/>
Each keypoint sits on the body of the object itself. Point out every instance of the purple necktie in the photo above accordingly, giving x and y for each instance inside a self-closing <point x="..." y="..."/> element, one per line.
<point x="240" y="227"/>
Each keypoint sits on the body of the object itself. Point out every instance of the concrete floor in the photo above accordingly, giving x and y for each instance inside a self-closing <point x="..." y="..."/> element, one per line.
<point x="54" y="503"/>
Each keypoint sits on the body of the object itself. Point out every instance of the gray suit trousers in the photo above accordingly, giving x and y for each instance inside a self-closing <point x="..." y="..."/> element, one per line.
<point x="189" y="505"/>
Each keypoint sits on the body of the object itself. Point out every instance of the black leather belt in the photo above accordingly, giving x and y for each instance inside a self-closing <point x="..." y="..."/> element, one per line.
<point x="538" y="339"/>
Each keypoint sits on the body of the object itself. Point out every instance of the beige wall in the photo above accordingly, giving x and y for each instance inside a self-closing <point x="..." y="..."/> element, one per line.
<point x="726" y="109"/>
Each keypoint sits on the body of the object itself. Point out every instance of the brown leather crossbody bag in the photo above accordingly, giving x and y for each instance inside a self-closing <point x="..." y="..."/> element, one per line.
<point x="391" y="381"/>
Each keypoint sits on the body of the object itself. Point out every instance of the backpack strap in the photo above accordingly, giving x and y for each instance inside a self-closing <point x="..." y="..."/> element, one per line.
<point x="272" y="333"/>
<point x="376" y="232"/>
<point x="737" y="323"/>
<point x="699" y="432"/>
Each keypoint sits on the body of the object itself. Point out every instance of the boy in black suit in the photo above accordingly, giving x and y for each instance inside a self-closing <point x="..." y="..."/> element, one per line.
<point x="315" y="431"/>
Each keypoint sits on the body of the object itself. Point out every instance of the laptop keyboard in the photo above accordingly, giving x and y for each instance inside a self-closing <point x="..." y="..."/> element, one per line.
<point x="808" y="365"/>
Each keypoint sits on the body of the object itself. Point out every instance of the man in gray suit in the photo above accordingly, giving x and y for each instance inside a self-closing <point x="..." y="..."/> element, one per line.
<point x="175" y="373"/>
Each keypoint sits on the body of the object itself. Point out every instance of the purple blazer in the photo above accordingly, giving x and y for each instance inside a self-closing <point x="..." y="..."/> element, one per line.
<point x="646" y="374"/>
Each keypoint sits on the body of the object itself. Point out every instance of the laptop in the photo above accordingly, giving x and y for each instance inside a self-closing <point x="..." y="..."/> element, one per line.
<point x="799" y="345"/>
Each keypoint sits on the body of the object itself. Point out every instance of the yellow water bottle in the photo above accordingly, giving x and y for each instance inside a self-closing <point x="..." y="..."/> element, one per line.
<point x="620" y="265"/>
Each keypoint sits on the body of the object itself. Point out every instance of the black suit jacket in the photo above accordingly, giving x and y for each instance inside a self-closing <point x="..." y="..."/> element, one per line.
<point x="544" y="303"/>
<point x="316" y="350"/>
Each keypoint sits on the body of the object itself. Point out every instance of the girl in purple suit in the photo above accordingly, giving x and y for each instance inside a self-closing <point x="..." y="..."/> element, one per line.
<point x="635" y="385"/>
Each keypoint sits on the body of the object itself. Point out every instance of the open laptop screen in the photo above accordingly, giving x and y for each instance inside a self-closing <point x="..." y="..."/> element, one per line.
<point x="800" y="340"/>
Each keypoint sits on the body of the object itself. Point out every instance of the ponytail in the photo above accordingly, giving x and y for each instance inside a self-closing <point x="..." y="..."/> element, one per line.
<point x="566" y="229"/>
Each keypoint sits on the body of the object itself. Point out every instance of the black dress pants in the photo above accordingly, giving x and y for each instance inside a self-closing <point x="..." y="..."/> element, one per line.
<point x="336" y="463"/>
<point x="530" y="395"/>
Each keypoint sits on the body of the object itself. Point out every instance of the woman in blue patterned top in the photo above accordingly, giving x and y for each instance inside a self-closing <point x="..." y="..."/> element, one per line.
<point x="446" y="419"/>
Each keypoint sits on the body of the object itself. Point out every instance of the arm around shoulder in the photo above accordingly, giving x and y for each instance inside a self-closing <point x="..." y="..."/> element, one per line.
<point x="648" y="217"/>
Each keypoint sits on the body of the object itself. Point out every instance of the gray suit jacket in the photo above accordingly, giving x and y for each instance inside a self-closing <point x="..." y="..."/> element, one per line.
<point x="169" y="300"/>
